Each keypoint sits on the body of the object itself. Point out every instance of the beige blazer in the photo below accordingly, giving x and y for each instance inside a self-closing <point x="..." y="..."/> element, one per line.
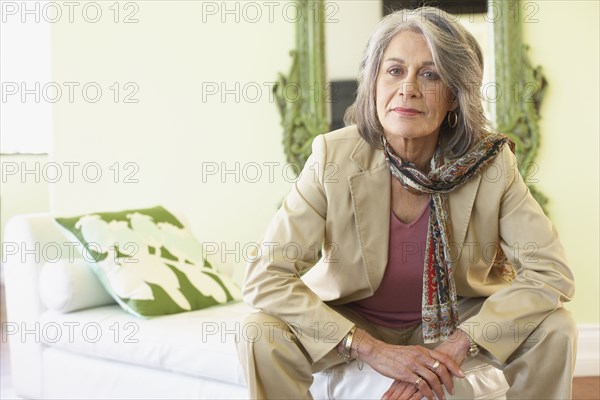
<point x="342" y="201"/>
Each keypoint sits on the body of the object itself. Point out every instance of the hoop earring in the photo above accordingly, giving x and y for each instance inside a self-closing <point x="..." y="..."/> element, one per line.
<point x="452" y="115"/>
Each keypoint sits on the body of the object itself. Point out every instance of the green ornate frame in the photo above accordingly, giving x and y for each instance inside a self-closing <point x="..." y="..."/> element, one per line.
<point x="302" y="95"/>
<point x="520" y="87"/>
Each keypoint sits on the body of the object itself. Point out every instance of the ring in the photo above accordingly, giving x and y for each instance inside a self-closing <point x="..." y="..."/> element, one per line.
<point x="435" y="366"/>
<point x="418" y="381"/>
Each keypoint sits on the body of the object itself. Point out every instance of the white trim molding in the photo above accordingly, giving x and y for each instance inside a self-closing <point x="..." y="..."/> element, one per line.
<point x="588" y="350"/>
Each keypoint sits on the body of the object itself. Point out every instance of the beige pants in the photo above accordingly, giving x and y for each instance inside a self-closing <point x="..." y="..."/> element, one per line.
<point x="277" y="366"/>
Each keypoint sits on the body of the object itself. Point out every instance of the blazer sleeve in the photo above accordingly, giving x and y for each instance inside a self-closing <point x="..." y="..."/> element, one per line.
<point x="543" y="280"/>
<point x="291" y="244"/>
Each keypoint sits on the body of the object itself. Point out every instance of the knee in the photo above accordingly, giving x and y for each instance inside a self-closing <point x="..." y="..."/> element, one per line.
<point x="260" y="331"/>
<point x="258" y="324"/>
<point x="263" y="319"/>
<point x="560" y="327"/>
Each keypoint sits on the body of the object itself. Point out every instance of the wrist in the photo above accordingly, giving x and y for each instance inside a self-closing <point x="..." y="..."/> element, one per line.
<point x="367" y="349"/>
<point x="344" y="347"/>
<point x="349" y="346"/>
<point x="340" y="347"/>
<point x="462" y="340"/>
<point x="470" y="346"/>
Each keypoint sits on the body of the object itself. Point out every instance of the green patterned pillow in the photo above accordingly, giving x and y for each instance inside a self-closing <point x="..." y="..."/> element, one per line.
<point x="149" y="262"/>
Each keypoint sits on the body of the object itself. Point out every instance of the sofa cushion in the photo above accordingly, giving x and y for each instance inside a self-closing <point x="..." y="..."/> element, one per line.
<point x="77" y="377"/>
<point x="202" y="344"/>
<point x="198" y="343"/>
<point x="149" y="262"/>
<point x="67" y="286"/>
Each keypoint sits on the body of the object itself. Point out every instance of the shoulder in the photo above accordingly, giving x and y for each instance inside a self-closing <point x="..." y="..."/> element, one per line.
<point x="336" y="145"/>
<point x="505" y="163"/>
<point x="341" y="145"/>
<point x="340" y="139"/>
<point x="346" y="133"/>
<point x="501" y="167"/>
<point x="498" y="174"/>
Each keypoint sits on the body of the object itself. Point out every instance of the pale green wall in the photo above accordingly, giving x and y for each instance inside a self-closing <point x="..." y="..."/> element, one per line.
<point x="170" y="133"/>
<point x="564" y="41"/>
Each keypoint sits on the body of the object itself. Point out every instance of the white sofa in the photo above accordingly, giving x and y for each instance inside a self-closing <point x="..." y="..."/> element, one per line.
<point x="104" y="352"/>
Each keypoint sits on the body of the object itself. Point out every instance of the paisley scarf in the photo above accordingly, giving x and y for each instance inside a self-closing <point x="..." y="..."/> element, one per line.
<point x="439" y="303"/>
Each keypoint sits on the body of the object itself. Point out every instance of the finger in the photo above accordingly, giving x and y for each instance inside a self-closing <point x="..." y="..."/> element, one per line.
<point x="417" y="396"/>
<point x="388" y="393"/>
<point x="408" y="394"/>
<point x="448" y="362"/>
<point x="423" y="386"/>
<point x="404" y="391"/>
<point x="400" y="391"/>
<point x="444" y="375"/>
<point x="432" y="380"/>
<point x="425" y="370"/>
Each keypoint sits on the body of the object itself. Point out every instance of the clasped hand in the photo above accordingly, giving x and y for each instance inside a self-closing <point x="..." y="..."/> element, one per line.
<point x="417" y="371"/>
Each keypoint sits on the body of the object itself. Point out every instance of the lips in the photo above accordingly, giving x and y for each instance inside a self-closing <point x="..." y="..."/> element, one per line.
<point x="409" y="112"/>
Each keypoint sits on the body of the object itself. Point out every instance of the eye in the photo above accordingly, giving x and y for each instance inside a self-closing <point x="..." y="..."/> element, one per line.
<point x="395" y="71"/>
<point x="431" y="75"/>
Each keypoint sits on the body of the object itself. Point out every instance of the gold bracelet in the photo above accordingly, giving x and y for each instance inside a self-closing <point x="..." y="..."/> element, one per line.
<point x="343" y="342"/>
<point x="358" y="340"/>
<point x="347" y="352"/>
<point x="473" y="347"/>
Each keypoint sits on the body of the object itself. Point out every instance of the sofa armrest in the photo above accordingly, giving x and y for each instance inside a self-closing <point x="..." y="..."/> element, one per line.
<point x="30" y="240"/>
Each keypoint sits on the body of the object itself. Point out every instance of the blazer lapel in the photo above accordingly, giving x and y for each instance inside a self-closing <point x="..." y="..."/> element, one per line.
<point x="460" y="206"/>
<point x="371" y="193"/>
<point x="371" y="196"/>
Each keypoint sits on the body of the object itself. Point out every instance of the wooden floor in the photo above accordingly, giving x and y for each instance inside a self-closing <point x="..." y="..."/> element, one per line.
<point x="586" y="388"/>
<point x="583" y="388"/>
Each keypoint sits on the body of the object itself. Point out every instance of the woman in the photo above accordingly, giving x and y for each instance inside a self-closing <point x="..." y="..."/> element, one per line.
<point x="421" y="212"/>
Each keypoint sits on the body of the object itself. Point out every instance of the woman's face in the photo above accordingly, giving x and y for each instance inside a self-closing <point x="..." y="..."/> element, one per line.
<point x="412" y="101"/>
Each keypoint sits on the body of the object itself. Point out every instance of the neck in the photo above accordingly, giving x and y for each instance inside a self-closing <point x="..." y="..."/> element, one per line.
<point x="416" y="150"/>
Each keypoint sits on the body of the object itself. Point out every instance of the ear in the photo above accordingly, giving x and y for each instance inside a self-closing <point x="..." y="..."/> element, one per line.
<point x="453" y="102"/>
<point x="454" y="105"/>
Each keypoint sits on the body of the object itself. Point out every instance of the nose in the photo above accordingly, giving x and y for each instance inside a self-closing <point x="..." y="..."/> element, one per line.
<point x="409" y="87"/>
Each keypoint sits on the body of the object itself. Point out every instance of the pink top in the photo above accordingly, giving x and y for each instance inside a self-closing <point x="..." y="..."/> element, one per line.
<point x="397" y="301"/>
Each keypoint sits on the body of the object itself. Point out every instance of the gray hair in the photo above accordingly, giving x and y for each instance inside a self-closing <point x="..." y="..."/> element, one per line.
<point x="458" y="59"/>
